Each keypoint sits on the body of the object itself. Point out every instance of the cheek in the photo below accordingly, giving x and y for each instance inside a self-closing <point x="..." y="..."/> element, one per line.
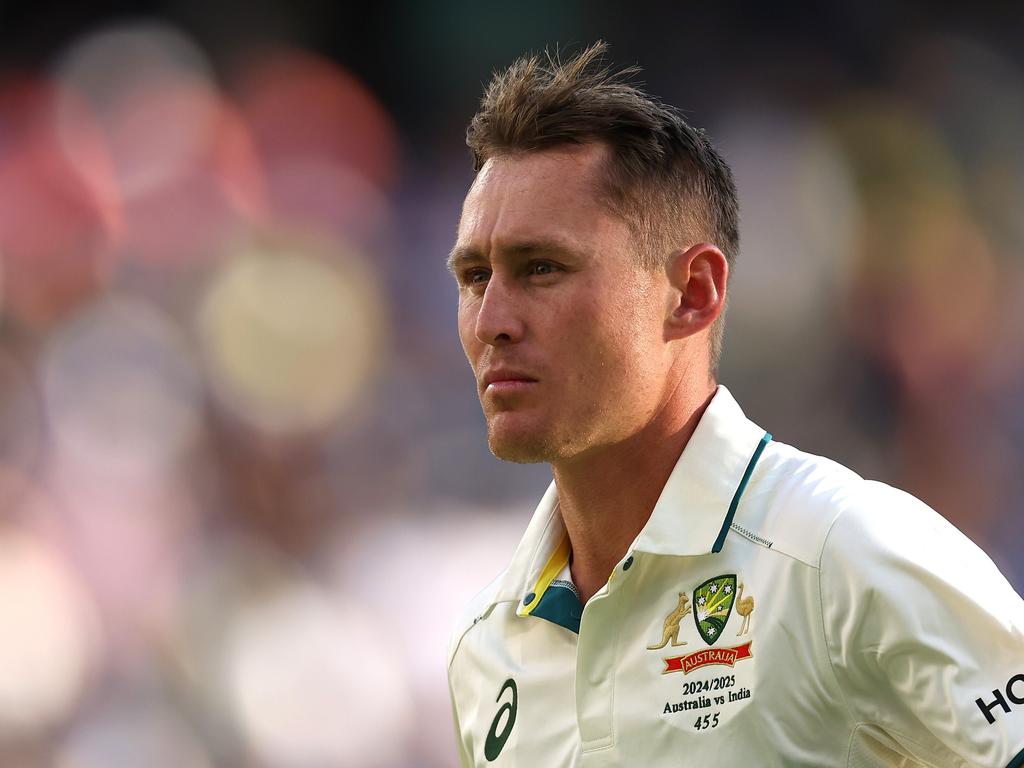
<point x="602" y="356"/>
<point x="627" y="330"/>
<point x="467" y="329"/>
<point x="630" y="349"/>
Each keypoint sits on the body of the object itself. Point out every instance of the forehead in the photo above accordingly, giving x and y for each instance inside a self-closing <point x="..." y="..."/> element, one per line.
<point x="552" y="193"/>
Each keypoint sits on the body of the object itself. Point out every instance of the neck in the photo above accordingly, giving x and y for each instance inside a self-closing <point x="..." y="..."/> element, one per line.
<point x="606" y="496"/>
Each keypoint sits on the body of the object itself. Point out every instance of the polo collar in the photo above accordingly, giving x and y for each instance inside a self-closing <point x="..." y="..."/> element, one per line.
<point x="693" y="514"/>
<point x="691" y="517"/>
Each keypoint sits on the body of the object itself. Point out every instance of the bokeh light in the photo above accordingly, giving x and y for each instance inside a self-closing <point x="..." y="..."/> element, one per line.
<point x="50" y="635"/>
<point x="56" y="225"/>
<point x="122" y="346"/>
<point x="318" y="195"/>
<point x="313" y="681"/>
<point x="131" y="732"/>
<point x="183" y="159"/>
<point x="303" y="107"/>
<point x="151" y="89"/>
<point x="292" y="336"/>
<point x="326" y="145"/>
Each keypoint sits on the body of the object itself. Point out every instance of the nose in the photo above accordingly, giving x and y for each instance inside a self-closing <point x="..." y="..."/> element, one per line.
<point x="499" y="318"/>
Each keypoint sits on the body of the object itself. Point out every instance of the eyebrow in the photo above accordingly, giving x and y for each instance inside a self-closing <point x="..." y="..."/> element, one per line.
<point x="463" y="254"/>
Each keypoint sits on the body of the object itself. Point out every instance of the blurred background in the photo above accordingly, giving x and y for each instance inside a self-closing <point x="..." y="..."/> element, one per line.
<point x="244" y="481"/>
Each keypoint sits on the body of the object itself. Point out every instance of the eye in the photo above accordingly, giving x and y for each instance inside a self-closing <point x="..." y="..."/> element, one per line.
<point x="476" y="276"/>
<point x="543" y="268"/>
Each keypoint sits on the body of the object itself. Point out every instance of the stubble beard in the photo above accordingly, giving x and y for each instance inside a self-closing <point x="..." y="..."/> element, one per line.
<point x="535" y="447"/>
<point x="524" y="450"/>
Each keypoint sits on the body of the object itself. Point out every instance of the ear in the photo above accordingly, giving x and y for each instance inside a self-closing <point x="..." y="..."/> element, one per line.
<point x="697" y="278"/>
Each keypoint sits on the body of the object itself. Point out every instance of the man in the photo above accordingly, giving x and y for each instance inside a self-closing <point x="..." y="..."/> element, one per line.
<point x="689" y="592"/>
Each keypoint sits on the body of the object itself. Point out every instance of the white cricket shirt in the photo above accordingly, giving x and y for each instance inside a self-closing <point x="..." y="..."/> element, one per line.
<point x="776" y="610"/>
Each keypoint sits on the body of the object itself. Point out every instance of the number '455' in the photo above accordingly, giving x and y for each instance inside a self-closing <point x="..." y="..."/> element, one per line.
<point x="708" y="721"/>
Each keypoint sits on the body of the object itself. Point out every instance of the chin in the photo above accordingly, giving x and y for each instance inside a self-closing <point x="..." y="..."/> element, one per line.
<point x="520" y="451"/>
<point x="525" y="446"/>
<point x="521" y="446"/>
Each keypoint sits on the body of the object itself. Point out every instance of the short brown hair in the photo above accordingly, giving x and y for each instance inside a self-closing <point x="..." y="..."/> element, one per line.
<point x="664" y="178"/>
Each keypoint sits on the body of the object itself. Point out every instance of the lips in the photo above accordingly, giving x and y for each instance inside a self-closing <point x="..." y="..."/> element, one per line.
<point x="504" y="378"/>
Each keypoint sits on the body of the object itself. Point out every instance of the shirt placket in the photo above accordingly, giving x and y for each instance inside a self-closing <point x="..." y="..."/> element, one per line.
<point x="597" y="659"/>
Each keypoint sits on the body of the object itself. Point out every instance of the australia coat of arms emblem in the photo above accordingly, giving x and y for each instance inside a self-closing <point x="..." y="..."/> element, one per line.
<point x="712" y="605"/>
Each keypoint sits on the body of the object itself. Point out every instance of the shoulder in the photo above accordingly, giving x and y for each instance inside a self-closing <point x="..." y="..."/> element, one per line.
<point x="794" y="498"/>
<point x="826" y="515"/>
<point x="475" y="611"/>
<point x="893" y="548"/>
<point x="906" y="598"/>
<point x="885" y="521"/>
<point x="895" y="574"/>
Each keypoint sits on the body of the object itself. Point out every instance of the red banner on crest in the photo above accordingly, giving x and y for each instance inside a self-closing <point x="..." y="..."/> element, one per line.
<point x="698" y="659"/>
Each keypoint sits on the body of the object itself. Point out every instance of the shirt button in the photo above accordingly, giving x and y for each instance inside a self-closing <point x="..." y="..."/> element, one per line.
<point x="629" y="562"/>
<point x="528" y="599"/>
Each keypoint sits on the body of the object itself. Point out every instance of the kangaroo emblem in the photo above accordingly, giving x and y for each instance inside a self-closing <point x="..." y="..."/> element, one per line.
<point x="671" y="630"/>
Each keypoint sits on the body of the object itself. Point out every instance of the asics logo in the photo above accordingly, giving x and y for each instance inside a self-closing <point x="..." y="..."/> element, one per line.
<point x="495" y="740"/>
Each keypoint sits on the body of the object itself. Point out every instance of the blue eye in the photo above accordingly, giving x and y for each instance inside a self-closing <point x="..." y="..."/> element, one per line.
<point x="542" y="268"/>
<point x="474" y="276"/>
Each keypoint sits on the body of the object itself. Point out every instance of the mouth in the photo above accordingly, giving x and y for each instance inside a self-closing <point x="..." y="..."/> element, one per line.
<point x="509" y="386"/>
<point x="505" y="382"/>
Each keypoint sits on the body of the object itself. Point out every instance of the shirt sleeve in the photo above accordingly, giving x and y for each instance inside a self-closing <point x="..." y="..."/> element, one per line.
<point x="465" y="760"/>
<point x="472" y="613"/>
<point x="924" y="634"/>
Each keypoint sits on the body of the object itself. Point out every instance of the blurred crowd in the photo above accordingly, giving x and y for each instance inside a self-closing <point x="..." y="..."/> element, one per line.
<point x="244" y="481"/>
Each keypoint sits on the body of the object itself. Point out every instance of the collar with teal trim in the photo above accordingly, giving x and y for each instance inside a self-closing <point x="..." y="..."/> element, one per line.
<point x="691" y="517"/>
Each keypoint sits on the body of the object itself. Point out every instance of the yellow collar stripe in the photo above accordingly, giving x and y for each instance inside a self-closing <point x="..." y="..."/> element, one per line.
<point x="554" y="566"/>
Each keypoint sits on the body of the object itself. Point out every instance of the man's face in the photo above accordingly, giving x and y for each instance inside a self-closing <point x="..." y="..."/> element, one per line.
<point x="563" y="329"/>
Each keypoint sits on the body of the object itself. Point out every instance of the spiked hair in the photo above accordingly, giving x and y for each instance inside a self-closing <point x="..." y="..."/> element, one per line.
<point x="663" y="177"/>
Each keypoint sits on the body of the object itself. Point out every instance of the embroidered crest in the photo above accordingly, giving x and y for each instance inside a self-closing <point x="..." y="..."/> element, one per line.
<point x="712" y="606"/>
<point x="670" y="631"/>
<point x="744" y="607"/>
